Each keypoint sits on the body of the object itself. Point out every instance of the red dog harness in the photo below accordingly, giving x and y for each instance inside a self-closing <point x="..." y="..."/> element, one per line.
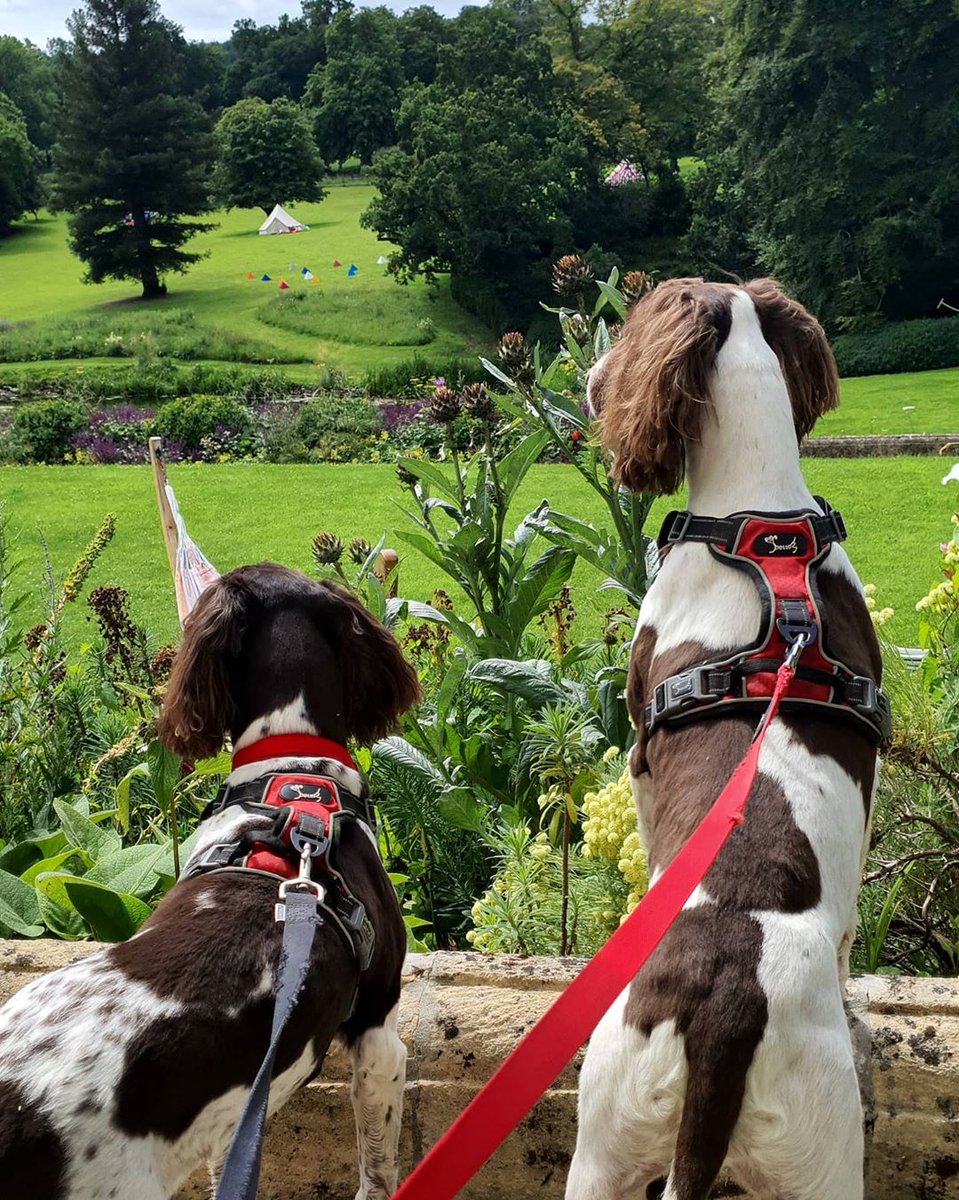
<point x="781" y="553"/>
<point x="309" y="811"/>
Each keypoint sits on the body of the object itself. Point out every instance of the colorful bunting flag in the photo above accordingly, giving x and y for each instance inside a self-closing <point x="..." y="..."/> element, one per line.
<point x="308" y="276"/>
<point x="264" y="279"/>
<point x="292" y="266"/>
<point x="382" y="260"/>
<point x="250" y="275"/>
<point x="283" y="285"/>
<point x="337" y="263"/>
<point x="304" y="271"/>
<point x="354" y="270"/>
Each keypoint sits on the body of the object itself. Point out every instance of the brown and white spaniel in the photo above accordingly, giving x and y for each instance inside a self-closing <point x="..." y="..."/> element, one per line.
<point x="729" y="1053"/>
<point x="124" y="1072"/>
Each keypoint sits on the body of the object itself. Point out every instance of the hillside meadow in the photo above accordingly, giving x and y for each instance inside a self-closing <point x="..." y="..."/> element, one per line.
<point x="349" y="323"/>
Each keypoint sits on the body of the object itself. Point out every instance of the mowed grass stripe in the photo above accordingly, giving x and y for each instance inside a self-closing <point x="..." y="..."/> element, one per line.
<point x="896" y="509"/>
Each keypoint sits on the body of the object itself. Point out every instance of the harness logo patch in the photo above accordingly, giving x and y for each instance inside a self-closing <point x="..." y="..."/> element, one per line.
<point x="318" y="793"/>
<point x="778" y="545"/>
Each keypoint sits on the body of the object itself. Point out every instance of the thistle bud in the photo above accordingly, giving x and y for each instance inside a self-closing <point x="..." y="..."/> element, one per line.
<point x="359" y="550"/>
<point x="578" y="328"/>
<point x="444" y="406"/>
<point x="327" y="549"/>
<point x="477" y="401"/>
<point x="571" y="275"/>
<point x="634" y="285"/>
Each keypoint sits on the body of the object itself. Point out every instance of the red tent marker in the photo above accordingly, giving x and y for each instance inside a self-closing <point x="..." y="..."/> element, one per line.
<point x="337" y="263"/>
<point x="250" y="275"/>
<point x="283" y="284"/>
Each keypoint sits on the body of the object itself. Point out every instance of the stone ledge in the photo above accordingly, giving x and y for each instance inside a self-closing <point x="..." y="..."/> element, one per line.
<point x="878" y="445"/>
<point x="462" y="1013"/>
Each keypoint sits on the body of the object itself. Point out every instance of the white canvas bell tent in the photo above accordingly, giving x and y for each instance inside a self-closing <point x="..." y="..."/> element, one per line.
<point x="280" y="221"/>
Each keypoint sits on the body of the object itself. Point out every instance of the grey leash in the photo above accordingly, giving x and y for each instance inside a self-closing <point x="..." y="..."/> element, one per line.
<point x="298" y="908"/>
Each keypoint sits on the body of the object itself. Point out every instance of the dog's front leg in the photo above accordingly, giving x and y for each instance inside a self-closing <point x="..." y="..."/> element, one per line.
<point x="379" y="1076"/>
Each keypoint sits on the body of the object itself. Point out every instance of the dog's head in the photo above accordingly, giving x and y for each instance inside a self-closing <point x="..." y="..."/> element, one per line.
<point x="652" y="389"/>
<point x="264" y="638"/>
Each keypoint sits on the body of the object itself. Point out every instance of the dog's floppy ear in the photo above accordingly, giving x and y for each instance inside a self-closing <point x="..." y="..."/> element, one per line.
<point x="379" y="683"/>
<point x="805" y="357"/>
<point x="652" y="387"/>
<point x="198" y="706"/>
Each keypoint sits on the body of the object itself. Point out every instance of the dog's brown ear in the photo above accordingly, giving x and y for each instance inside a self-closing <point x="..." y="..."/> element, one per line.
<point x="198" y="706"/>
<point x="804" y="354"/>
<point x="379" y="684"/>
<point x="653" y="386"/>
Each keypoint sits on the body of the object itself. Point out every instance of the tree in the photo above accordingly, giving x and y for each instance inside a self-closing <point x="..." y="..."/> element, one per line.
<point x="356" y="94"/>
<point x="18" y="167"/>
<point x="134" y="152"/>
<point x="487" y="159"/>
<point x="270" y="61"/>
<point x="834" y="155"/>
<point x="422" y="30"/>
<point x="27" y="78"/>
<point x="266" y="155"/>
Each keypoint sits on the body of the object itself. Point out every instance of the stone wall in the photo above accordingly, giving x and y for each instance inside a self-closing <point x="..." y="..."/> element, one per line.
<point x="869" y="446"/>
<point x="462" y="1013"/>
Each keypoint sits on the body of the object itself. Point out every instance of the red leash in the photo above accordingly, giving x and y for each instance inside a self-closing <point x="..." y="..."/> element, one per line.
<point x="500" y="1105"/>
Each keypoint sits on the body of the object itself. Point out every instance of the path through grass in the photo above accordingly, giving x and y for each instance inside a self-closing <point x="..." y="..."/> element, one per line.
<point x="896" y="509"/>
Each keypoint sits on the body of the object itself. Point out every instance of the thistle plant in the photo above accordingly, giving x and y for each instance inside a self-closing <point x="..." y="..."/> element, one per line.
<point x="552" y="397"/>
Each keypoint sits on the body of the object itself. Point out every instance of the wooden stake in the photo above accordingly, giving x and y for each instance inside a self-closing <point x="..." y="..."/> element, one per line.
<point x="158" y="467"/>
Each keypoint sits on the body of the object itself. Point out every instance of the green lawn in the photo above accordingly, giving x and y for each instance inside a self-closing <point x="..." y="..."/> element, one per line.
<point x="40" y="279"/>
<point x="918" y="402"/>
<point x="896" y="509"/>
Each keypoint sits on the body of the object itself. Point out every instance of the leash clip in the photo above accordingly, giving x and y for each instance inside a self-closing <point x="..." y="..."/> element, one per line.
<point x="301" y="885"/>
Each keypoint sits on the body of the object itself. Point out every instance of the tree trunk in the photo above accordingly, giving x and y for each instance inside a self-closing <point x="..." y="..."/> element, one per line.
<point x="153" y="289"/>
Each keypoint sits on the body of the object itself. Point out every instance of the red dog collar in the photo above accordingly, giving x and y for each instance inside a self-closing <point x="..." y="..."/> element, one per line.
<point x="293" y="745"/>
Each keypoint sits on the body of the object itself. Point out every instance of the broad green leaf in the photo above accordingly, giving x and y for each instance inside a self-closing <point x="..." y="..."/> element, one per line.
<point x="432" y="474"/>
<point x="615" y="299"/>
<point x="56" y="862"/>
<point x="165" y="772"/>
<point x="494" y="370"/>
<point x="56" y="908"/>
<point x="461" y="809"/>
<point x="133" y="869"/>
<point x="113" y="916"/>
<point x="123" y="793"/>
<point x="397" y="609"/>
<point x="513" y="468"/>
<point x="398" y="750"/>
<point x="530" y="679"/>
<point x="447" y="693"/>
<point x="19" y="910"/>
<point x="82" y="832"/>
<point x="220" y="764"/>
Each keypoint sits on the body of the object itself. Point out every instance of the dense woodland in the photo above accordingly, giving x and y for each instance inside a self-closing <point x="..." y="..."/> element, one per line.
<point x="813" y="140"/>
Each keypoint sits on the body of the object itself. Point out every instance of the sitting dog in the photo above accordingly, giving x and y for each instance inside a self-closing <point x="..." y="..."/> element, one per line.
<point x="730" y="1049"/>
<point x="122" y="1073"/>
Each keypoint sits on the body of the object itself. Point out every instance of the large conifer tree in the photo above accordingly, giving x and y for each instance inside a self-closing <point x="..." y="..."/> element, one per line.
<point x="135" y="151"/>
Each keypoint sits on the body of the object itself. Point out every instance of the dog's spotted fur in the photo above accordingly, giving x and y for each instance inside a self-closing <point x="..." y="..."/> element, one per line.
<point x="121" y="1074"/>
<point x="730" y="1048"/>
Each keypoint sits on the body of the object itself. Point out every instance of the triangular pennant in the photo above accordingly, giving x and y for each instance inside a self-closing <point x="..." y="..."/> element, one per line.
<point x="382" y="260"/>
<point x="250" y="275"/>
<point x="292" y="266"/>
<point x="313" y="279"/>
<point x="337" y="263"/>
<point x="308" y="275"/>
<point x="304" y="271"/>
<point x="283" y="285"/>
<point x="264" y="279"/>
<point x="354" y="270"/>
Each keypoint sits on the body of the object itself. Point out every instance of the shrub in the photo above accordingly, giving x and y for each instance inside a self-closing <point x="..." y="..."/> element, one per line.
<point x="41" y="432"/>
<point x="355" y="415"/>
<point x="416" y="376"/>
<point x="192" y="419"/>
<point x="118" y="436"/>
<point x="924" y="345"/>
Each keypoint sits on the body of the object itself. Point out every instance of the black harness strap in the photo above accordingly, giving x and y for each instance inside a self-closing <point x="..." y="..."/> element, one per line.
<point x="681" y="526"/>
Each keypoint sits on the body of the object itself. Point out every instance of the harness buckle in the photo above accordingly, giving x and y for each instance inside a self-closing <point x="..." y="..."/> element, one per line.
<point x="679" y="527"/>
<point x="220" y="854"/>
<point x="838" y="524"/>
<point x="796" y="623"/>
<point x="309" y="835"/>
<point x="686" y="690"/>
